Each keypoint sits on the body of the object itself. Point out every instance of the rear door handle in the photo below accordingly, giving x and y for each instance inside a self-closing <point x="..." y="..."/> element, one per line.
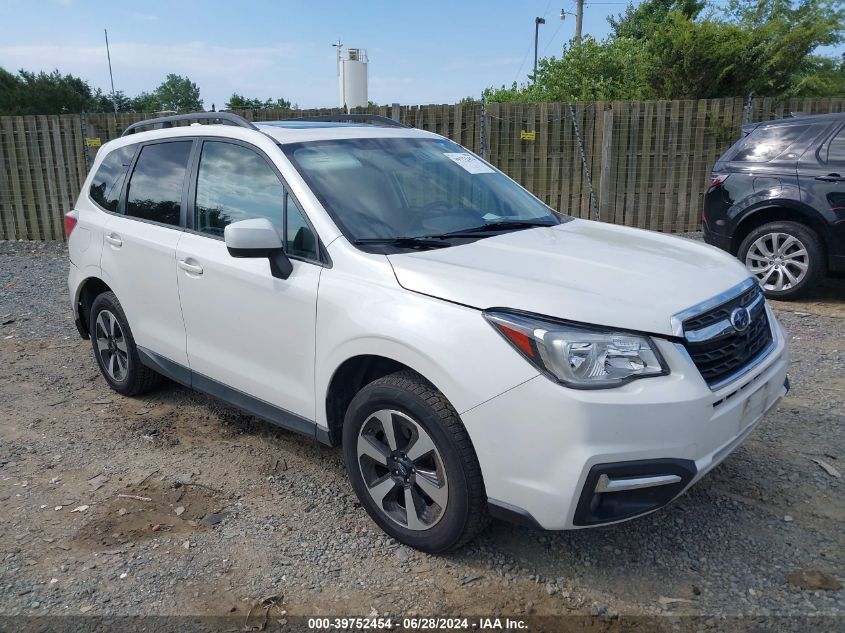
<point x="185" y="265"/>
<point x="831" y="178"/>
<point x="114" y="240"/>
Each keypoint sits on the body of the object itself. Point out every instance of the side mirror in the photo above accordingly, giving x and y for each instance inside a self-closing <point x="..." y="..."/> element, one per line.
<point x="258" y="238"/>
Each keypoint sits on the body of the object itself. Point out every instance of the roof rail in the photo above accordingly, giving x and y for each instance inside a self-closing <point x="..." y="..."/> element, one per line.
<point x="225" y="118"/>
<point x="375" y="119"/>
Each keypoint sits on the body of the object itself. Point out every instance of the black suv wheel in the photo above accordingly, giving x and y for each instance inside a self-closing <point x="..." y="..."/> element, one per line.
<point x="787" y="258"/>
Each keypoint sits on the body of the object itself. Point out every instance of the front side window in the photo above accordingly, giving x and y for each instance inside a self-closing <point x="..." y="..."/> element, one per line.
<point x="381" y="190"/>
<point x="108" y="181"/>
<point x="235" y="183"/>
<point x="155" y="189"/>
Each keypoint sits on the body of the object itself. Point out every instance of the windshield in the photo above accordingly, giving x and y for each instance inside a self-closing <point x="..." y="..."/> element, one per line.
<point x="394" y="190"/>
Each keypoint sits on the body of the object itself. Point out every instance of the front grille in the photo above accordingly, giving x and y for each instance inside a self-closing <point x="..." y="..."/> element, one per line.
<point x="728" y="352"/>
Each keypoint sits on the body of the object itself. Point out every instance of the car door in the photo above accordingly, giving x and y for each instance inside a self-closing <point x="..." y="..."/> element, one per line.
<point x="821" y="176"/>
<point x="139" y="254"/>
<point x="247" y="330"/>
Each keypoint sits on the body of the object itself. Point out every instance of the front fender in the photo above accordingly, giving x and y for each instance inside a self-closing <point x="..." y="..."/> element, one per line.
<point x="451" y="345"/>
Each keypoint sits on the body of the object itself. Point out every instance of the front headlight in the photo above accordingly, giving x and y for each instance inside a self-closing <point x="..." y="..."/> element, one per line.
<point x="579" y="356"/>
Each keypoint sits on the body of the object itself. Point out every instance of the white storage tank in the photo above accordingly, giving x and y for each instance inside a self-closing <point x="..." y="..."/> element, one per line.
<point x="353" y="78"/>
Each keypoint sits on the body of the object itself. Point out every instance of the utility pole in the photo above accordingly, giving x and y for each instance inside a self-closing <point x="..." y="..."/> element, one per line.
<point x="579" y="19"/>
<point x="537" y="23"/>
<point x="342" y="87"/>
<point x="111" y="78"/>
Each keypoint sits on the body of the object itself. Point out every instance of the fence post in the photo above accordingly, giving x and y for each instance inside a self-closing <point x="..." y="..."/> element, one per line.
<point x="85" y="141"/>
<point x="606" y="158"/>
<point x="483" y="130"/>
<point x="394" y="114"/>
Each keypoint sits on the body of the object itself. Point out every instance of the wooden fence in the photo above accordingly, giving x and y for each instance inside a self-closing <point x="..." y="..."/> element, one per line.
<point x="643" y="164"/>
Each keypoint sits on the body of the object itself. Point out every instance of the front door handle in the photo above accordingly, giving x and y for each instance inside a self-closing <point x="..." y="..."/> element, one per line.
<point x="185" y="265"/>
<point x="114" y="240"/>
<point x="831" y="178"/>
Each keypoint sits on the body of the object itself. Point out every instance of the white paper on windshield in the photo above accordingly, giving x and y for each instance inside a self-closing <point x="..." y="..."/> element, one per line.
<point x="469" y="162"/>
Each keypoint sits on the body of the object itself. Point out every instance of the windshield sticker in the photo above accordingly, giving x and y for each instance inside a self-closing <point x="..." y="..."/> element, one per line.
<point x="469" y="162"/>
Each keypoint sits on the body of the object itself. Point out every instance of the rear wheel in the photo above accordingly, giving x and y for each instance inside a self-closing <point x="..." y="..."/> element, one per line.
<point x="786" y="257"/>
<point x="115" y="350"/>
<point x="412" y="464"/>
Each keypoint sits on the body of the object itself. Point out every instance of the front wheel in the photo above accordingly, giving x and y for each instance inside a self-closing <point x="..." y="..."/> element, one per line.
<point x="412" y="464"/>
<point x="786" y="257"/>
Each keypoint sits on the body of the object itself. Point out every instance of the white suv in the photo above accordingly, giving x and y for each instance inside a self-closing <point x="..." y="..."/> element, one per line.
<point x="379" y="287"/>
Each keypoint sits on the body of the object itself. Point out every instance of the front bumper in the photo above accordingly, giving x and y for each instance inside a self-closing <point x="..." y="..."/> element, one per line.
<point x="542" y="446"/>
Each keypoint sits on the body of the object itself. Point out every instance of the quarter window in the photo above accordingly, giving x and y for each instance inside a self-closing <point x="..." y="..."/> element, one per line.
<point x="235" y="183"/>
<point x="300" y="240"/>
<point x="765" y="144"/>
<point x="155" y="189"/>
<point x="836" y="149"/>
<point x="108" y="181"/>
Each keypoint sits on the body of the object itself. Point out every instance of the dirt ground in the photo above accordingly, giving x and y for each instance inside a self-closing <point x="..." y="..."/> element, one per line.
<point x="174" y="504"/>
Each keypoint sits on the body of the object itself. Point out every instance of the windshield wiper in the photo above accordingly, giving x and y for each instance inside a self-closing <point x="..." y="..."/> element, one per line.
<point x="404" y="242"/>
<point x="491" y="227"/>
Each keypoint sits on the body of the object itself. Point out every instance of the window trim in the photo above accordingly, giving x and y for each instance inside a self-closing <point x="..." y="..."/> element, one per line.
<point x="121" y="207"/>
<point x="123" y="185"/>
<point x="194" y="162"/>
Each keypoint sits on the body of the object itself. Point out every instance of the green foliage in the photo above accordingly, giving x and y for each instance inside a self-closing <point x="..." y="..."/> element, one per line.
<point x="146" y="102"/>
<point x="589" y="71"/>
<point x="179" y="94"/>
<point x="239" y="102"/>
<point x="638" y="22"/>
<point x="42" y="93"/>
<point x="104" y="102"/>
<point x="670" y="49"/>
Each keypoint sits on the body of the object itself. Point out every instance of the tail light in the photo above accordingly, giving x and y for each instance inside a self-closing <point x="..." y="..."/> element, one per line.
<point x="717" y="180"/>
<point x="70" y="222"/>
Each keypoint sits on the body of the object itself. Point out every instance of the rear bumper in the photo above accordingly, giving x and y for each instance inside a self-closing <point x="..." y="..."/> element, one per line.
<point x="543" y="448"/>
<point x="716" y="239"/>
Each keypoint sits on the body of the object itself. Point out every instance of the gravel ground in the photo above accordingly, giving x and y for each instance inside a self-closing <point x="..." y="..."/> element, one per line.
<point x="239" y="510"/>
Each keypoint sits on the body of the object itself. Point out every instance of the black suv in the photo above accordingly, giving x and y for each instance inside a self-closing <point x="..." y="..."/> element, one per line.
<point x="776" y="200"/>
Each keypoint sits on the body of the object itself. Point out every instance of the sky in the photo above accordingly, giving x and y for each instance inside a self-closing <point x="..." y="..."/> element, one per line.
<point x="429" y="51"/>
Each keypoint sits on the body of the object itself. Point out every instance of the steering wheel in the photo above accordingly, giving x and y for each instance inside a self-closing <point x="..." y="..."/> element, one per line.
<point x="436" y="204"/>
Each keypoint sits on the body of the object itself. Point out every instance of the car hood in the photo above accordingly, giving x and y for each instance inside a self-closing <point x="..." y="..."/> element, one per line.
<point x="580" y="270"/>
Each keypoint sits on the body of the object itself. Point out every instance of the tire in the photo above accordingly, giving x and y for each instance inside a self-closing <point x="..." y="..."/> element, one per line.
<point x="447" y="468"/>
<point x="787" y="257"/>
<point x="115" y="350"/>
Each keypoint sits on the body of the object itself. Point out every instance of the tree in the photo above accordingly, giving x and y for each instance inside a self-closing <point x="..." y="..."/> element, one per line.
<point x="239" y="102"/>
<point x="671" y="49"/>
<point x="586" y="71"/>
<point x="639" y="21"/>
<point x="179" y="94"/>
<point x="146" y="102"/>
<point x="42" y="93"/>
<point x="105" y="102"/>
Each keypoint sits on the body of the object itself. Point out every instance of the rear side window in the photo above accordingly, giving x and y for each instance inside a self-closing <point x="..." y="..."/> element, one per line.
<point x="155" y="189"/>
<point x="108" y="181"/>
<point x="765" y="144"/>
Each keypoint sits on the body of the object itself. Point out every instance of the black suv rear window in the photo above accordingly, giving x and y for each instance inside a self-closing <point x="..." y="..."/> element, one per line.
<point x="767" y="143"/>
<point x="108" y="181"/>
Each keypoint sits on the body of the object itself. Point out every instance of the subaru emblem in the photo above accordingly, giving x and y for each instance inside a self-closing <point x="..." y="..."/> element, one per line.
<point x="741" y="319"/>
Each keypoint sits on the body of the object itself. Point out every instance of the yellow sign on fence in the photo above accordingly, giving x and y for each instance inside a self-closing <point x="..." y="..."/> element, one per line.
<point x="93" y="142"/>
<point x="525" y="135"/>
